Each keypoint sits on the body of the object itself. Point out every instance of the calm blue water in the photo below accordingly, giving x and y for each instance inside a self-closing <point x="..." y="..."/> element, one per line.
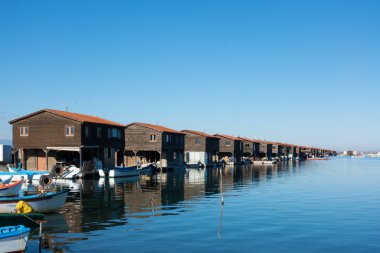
<point x="311" y="206"/>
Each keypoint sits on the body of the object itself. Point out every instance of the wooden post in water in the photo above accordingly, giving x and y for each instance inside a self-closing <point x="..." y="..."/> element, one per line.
<point x="47" y="158"/>
<point x="80" y="159"/>
<point x="40" y="235"/>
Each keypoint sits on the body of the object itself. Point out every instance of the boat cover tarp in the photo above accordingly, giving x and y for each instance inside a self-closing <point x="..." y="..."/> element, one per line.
<point x="23" y="207"/>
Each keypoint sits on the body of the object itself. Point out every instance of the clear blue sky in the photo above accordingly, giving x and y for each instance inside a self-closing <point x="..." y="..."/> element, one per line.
<point x="305" y="72"/>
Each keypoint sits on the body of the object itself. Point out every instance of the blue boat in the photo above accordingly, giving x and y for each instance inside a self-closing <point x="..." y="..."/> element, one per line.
<point x="26" y="174"/>
<point x="13" y="238"/>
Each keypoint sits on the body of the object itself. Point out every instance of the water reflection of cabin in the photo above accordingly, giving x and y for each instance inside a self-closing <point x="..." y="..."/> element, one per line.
<point x="46" y="137"/>
<point x="230" y="148"/>
<point x="200" y="147"/>
<point x="154" y="143"/>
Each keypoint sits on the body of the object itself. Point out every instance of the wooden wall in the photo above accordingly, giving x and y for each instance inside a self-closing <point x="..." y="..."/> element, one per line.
<point x="45" y="130"/>
<point x="104" y="140"/>
<point x="248" y="148"/>
<point x="226" y="145"/>
<point x="194" y="142"/>
<point x="138" y="138"/>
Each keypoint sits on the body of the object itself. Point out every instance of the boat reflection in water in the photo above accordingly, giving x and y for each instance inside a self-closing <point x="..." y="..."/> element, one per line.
<point x="101" y="204"/>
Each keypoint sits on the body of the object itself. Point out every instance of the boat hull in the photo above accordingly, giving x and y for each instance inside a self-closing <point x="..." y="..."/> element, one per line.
<point x="120" y="172"/>
<point x="43" y="203"/>
<point x="28" y="174"/>
<point x="14" y="219"/>
<point x="11" y="190"/>
<point x="72" y="173"/>
<point x="6" y="179"/>
<point x="123" y="173"/>
<point x="14" y="241"/>
<point x="264" y="162"/>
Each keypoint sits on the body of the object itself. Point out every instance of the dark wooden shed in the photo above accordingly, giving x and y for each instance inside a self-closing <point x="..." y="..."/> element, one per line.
<point x="46" y="137"/>
<point x="230" y="148"/>
<point x="200" y="147"/>
<point x="153" y="143"/>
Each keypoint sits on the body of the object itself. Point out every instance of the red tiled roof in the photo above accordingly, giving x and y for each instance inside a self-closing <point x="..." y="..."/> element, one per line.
<point x="157" y="128"/>
<point x="199" y="133"/>
<point x="284" y="144"/>
<point x="72" y="116"/>
<point x="247" y="139"/>
<point x="228" y="137"/>
<point x="264" y="141"/>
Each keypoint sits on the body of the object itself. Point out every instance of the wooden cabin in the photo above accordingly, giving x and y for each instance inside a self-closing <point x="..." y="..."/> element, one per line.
<point x="230" y="149"/>
<point x="265" y="149"/>
<point x="282" y="150"/>
<point x="200" y="148"/>
<point x="47" y="137"/>
<point x="275" y="150"/>
<point x="150" y="143"/>
<point x="248" y="147"/>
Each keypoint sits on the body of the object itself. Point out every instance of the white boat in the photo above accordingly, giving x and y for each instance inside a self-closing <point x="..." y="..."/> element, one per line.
<point x="71" y="172"/>
<point x="120" y="172"/>
<point x="46" y="202"/>
<point x="13" y="238"/>
<point x="264" y="162"/>
<point x="375" y="155"/>
<point x="6" y="179"/>
<point x="73" y="185"/>
<point x="11" y="189"/>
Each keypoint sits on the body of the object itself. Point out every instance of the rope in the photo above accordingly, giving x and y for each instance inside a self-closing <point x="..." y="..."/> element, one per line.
<point x="30" y="218"/>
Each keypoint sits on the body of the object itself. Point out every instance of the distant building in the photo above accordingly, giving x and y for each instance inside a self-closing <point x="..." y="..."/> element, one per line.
<point x="230" y="148"/>
<point x="154" y="143"/>
<point x="200" y="147"/>
<point x="349" y="153"/>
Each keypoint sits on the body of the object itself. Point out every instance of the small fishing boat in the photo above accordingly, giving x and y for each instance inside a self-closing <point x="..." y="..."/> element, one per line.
<point x="71" y="172"/>
<point x="264" y="162"/>
<point x="120" y="172"/>
<point x="26" y="219"/>
<point x="317" y="158"/>
<point x="147" y="168"/>
<point x="46" y="202"/>
<point x="11" y="189"/>
<point x="28" y="174"/>
<point x="6" y="179"/>
<point x="13" y="238"/>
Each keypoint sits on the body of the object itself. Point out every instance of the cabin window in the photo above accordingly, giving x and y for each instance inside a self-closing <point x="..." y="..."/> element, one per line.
<point x="114" y="133"/>
<point x="24" y="131"/>
<point x="228" y="143"/>
<point x="87" y="131"/>
<point x="99" y="132"/>
<point x="198" y="141"/>
<point x="247" y="145"/>
<point x="69" y="130"/>
<point x="168" y="138"/>
<point x="152" y="137"/>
